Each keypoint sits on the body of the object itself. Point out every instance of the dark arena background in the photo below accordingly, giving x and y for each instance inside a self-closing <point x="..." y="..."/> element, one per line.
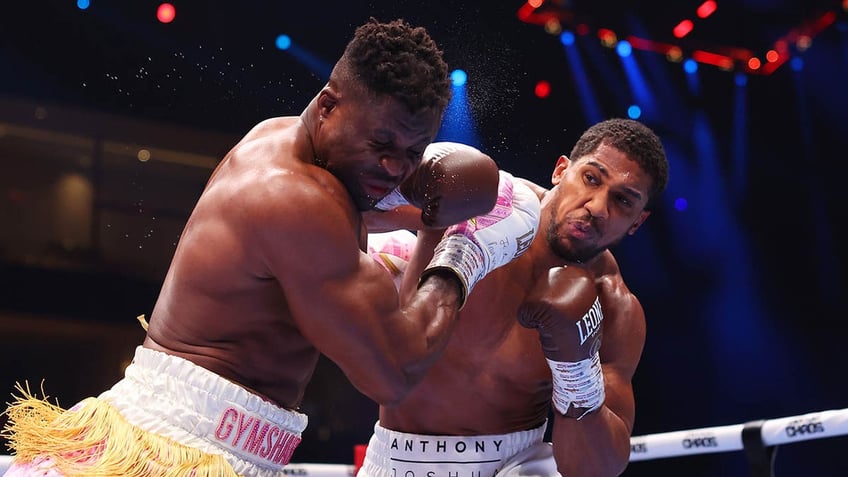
<point x="111" y="120"/>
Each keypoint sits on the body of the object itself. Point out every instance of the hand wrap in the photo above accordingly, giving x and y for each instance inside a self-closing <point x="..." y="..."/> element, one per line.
<point x="579" y="384"/>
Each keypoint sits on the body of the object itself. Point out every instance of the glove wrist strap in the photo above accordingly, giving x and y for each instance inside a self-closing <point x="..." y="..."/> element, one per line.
<point x="463" y="257"/>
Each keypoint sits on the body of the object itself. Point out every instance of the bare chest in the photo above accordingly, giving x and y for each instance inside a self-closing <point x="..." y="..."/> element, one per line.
<point x="489" y="341"/>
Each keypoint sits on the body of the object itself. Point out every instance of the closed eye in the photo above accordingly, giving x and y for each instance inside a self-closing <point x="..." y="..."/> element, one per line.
<point x="381" y="145"/>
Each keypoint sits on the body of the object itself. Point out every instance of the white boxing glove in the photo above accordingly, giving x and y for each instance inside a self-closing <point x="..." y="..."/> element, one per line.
<point x="475" y="247"/>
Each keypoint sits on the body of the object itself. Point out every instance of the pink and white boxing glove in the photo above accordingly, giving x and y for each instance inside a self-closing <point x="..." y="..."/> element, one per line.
<point x="392" y="250"/>
<point x="475" y="247"/>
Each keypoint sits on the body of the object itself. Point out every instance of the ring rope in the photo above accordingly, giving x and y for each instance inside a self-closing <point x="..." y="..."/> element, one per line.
<point x="773" y="432"/>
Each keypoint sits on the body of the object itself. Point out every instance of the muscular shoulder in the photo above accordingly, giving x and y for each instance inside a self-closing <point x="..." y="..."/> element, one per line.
<point x="270" y="125"/>
<point x="290" y="222"/>
<point x="616" y="297"/>
<point x="276" y="198"/>
<point x="624" y="317"/>
<point x="303" y="218"/>
<point x="268" y="179"/>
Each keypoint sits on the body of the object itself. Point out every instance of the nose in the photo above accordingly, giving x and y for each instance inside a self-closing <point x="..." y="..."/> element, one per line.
<point x="597" y="206"/>
<point x="394" y="166"/>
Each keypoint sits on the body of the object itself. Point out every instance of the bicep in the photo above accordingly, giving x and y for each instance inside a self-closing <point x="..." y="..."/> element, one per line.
<point x="341" y="301"/>
<point x="342" y="308"/>
<point x="354" y="318"/>
<point x="344" y="304"/>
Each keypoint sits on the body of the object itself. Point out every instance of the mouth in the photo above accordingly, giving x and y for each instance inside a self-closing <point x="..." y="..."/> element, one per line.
<point x="581" y="230"/>
<point x="376" y="189"/>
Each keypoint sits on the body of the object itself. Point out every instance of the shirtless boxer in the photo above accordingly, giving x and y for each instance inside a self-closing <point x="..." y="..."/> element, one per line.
<point x="271" y="270"/>
<point x="481" y="411"/>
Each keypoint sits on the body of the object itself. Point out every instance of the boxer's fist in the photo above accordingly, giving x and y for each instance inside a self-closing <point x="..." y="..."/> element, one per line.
<point x="566" y="311"/>
<point x="393" y="251"/>
<point x="475" y="247"/>
<point x="452" y="183"/>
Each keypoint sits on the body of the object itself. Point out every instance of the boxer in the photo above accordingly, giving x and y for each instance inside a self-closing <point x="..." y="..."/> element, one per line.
<point x="555" y="333"/>
<point x="271" y="271"/>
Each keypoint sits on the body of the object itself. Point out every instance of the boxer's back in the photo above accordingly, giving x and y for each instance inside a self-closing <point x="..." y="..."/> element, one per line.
<point x="220" y="305"/>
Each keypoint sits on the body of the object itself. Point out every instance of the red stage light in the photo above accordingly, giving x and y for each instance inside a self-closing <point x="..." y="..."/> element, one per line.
<point x="683" y="28"/>
<point x="543" y="89"/>
<point x="166" y="13"/>
<point x="706" y="9"/>
<point x="727" y="57"/>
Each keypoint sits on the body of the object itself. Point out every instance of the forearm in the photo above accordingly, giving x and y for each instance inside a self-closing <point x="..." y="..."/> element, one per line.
<point x="598" y="445"/>
<point x="405" y="217"/>
<point x="435" y="305"/>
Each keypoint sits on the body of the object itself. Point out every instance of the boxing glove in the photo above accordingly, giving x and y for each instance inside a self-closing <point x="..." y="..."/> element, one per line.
<point x="566" y="311"/>
<point x="452" y="183"/>
<point x="393" y="251"/>
<point x="474" y="247"/>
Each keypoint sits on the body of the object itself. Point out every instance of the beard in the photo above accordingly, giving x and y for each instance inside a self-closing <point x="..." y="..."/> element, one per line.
<point x="567" y="249"/>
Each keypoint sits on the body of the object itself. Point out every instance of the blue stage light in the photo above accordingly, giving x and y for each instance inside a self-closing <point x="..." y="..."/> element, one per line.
<point x="458" y="77"/>
<point x="283" y="42"/>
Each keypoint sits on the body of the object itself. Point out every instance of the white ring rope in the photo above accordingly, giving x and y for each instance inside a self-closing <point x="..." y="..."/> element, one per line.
<point x="785" y="430"/>
<point x="773" y="432"/>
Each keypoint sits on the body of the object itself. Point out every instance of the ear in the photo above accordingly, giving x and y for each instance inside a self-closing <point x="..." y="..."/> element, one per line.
<point x="559" y="169"/>
<point x="328" y="98"/>
<point x="641" y="220"/>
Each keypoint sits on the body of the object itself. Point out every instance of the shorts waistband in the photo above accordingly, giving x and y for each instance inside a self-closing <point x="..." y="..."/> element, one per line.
<point x="175" y="398"/>
<point x="399" y="453"/>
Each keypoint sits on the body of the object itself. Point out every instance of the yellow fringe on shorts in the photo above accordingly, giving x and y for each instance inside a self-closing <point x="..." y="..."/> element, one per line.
<point x="95" y="440"/>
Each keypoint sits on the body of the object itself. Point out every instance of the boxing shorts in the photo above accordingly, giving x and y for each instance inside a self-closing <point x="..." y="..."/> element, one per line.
<point x="398" y="454"/>
<point x="167" y="416"/>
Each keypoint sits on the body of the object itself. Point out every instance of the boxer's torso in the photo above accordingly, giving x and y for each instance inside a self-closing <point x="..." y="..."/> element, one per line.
<point x="493" y="377"/>
<point x="220" y="305"/>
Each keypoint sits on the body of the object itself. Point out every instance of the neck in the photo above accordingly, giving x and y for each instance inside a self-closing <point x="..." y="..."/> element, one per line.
<point x="308" y="126"/>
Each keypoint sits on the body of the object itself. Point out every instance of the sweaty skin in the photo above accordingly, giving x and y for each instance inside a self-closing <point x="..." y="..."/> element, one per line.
<point x="493" y="377"/>
<point x="270" y="269"/>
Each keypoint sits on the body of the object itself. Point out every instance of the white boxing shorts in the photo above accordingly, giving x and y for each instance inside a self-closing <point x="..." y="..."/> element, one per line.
<point x="518" y="454"/>
<point x="167" y="413"/>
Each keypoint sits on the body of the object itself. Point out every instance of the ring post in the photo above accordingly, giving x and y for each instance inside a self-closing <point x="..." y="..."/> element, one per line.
<point x="760" y="457"/>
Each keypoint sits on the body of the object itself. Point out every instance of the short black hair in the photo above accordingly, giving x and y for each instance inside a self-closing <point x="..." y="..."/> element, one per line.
<point x="398" y="60"/>
<point x="638" y="141"/>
